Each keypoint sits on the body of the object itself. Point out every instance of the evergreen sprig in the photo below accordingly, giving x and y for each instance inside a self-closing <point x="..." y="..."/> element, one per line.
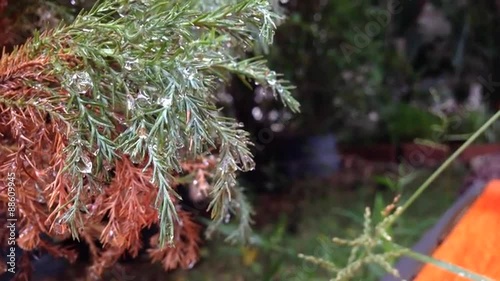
<point x="141" y="82"/>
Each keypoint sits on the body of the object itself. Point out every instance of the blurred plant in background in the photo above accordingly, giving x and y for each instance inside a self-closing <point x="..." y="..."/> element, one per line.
<point x="338" y="81"/>
<point x="360" y="65"/>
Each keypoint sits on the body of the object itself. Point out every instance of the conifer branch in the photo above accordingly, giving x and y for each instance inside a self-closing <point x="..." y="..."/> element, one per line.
<point x="137" y="80"/>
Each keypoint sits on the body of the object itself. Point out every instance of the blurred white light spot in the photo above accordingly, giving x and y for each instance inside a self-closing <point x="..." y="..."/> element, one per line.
<point x="373" y="116"/>
<point x="257" y="113"/>
<point x="273" y="115"/>
<point x="277" y="127"/>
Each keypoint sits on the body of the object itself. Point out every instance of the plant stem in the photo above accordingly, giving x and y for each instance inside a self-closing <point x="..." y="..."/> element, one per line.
<point x="442" y="264"/>
<point x="447" y="163"/>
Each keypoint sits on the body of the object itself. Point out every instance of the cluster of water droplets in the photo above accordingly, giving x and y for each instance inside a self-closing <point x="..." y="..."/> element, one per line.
<point x="80" y="81"/>
<point x="149" y="96"/>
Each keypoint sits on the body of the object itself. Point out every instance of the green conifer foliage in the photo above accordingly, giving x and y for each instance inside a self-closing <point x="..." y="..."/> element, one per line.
<point x="102" y="119"/>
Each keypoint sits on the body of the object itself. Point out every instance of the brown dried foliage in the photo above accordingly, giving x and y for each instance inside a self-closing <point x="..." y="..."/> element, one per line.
<point x="33" y="136"/>
<point x="185" y="255"/>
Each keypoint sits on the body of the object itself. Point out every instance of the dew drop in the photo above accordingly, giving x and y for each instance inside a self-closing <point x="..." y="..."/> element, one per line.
<point x="86" y="168"/>
<point x="191" y="264"/>
<point x="40" y="198"/>
<point x="81" y="82"/>
<point x="166" y="102"/>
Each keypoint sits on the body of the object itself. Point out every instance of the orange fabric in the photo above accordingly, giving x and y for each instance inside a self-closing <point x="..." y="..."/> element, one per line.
<point x="474" y="243"/>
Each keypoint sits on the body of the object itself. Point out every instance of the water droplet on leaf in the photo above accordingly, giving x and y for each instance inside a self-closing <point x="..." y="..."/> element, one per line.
<point x="166" y="102"/>
<point x="86" y="167"/>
